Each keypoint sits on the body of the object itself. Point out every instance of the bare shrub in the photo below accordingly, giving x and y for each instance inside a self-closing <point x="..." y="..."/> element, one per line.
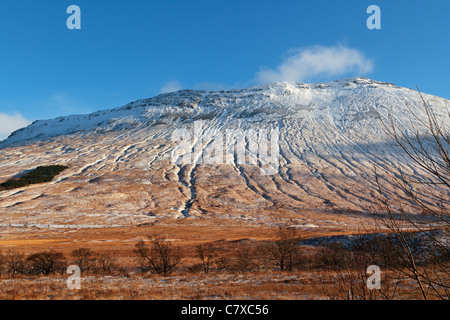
<point x="84" y="258"/>
<point x="343" y="274"/>
<point x="282" y="253"/>
<point x="158" y="256"/>
<point x="14" y="264"/>
<point x="105" y="263"/>
<point x="244" y="259"/>
<point x="206" y="253"/>
<point x="46" y="263"/>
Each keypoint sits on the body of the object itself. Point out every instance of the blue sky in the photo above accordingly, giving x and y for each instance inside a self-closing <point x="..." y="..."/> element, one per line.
<point x="129" y="50"/>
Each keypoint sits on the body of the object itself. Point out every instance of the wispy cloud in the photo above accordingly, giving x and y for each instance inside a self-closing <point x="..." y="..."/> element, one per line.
<point x="305" y="64"/>
<point x="171" y="86"/>
<point x="311" y="63"/>
<point x="10" y="123"/>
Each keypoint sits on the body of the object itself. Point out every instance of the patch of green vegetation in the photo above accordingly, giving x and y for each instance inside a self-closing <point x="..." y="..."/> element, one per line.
<point x="38" y="175"/>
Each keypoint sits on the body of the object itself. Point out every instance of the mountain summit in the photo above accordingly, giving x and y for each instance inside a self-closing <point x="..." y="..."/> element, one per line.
<point x="348" y="102"/>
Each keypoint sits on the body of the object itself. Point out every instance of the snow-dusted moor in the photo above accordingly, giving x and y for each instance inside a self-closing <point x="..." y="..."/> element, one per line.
<point x="121" y="173"/>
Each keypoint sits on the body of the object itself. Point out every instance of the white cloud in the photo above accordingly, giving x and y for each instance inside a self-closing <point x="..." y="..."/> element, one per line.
<point x="10" y="123"/>
<point x="311" y="63"/>
<point x="171" y="86"/>
<point x="307" y="63"/>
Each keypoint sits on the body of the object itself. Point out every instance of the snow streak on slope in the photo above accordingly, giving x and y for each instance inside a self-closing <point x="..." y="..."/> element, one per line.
<point x="121" y="170"/>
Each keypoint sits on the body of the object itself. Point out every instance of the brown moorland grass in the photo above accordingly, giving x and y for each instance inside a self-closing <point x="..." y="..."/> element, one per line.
<point x="298" y="285"/>
<point x="184" y="232"/>
<point x="128" y="282"/>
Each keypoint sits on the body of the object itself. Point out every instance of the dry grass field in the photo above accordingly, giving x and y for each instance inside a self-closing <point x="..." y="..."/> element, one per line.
<point x="187" y="281"/>
<point x="130" y="283"/>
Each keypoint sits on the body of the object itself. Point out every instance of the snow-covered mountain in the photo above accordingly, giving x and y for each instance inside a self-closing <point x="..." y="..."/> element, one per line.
<point x="348" y="103"/>
<point x="122" y="169"/>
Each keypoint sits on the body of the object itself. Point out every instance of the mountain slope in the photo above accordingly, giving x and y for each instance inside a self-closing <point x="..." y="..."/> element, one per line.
<point x="122" y="169"/>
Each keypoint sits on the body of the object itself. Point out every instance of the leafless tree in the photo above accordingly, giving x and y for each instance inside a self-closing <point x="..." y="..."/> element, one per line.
<point x="46" y="262"/>
<point x="283" y="253"/>
<point x="15" y="264"/>
<point x="84" y="258"/>
<point x="159" y="255"/>
<point x="342" y="273"/>
<point x="244" y="259"/>
<point x="206" y="253"/>
<point x="417" y="210"/>
<point x="106" y="263"/>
